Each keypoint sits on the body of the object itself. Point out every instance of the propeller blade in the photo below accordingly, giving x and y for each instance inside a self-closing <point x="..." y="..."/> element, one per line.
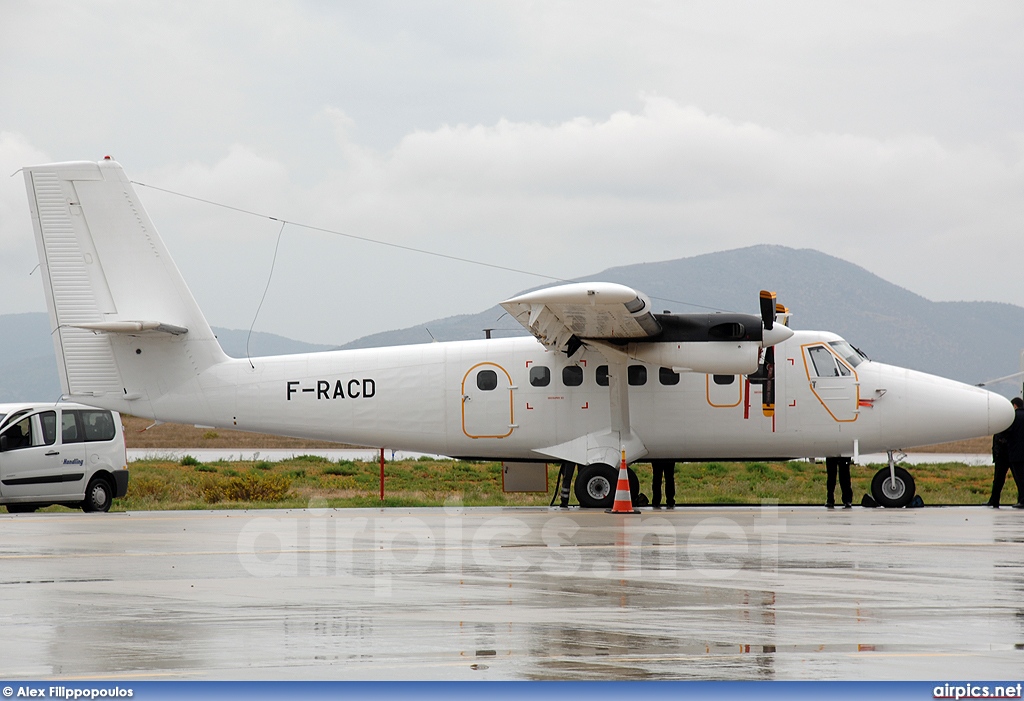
<point x="768" y="309"/>
<point x="768" y="390"/>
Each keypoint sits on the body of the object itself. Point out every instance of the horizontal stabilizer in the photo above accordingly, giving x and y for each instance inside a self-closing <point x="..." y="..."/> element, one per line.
<point x="132" y="327"/>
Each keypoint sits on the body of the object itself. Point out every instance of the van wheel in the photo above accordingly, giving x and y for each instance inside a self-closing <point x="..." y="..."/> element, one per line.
<point x="21" y="508"/>
<point x="98" y="495"/>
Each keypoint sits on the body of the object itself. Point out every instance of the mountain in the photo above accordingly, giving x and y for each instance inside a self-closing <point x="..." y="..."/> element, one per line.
<point x="28" y="366"/>
<point x="967" y="341"/>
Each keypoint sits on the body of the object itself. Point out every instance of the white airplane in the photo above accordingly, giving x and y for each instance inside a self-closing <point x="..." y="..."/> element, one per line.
<point x="603" y="373"/>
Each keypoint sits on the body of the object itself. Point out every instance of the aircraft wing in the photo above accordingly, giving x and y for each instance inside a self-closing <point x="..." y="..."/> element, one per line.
<point x="584" y="310"/>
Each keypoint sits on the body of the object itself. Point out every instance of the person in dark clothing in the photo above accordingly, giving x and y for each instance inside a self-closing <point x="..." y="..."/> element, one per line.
<point x="663" y="469"/>
<point x="838" y="467"/>
<point x="1001" y="461"/>
<point x="1015" y="449"/>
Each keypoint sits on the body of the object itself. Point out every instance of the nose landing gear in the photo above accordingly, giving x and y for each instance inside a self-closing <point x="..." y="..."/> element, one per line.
<point x="893" y="486"/>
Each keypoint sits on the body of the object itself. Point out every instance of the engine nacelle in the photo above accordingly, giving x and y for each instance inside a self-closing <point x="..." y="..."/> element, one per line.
<point x="711" y="357"/>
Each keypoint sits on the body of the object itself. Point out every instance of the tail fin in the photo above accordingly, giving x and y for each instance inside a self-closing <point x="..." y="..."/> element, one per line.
<point x="126" y="328"/>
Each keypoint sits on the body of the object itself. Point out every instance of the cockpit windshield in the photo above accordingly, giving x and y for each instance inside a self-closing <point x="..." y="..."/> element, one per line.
<point x="848" y="352"/>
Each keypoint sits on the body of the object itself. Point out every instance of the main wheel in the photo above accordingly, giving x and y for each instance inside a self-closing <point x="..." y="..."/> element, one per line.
<point x="893" y="494"/>
<point x="595" y="486"/>
<point x="98" y="495"/>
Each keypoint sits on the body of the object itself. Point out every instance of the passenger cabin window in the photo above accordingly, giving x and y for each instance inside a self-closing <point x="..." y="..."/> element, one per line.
<point x="540" y="376"/>
<point x="723" y="379"/>
<point x="486" y="380"/>
<point x="668" y="376"/>
<point x="637" y="375"/>
<point x="601" y="375"/>
<point x="572" y="376"/>
<point x="825" y="364"/>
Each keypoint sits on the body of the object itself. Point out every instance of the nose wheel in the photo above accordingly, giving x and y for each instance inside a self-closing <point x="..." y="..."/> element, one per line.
<point x="893" y="487"/>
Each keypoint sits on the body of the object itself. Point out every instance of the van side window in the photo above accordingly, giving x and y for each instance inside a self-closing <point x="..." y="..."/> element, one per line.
<point x="99" y="425"/>
<point x="48" y="419"/>
<point x="19" y="435"/>
<point x="69" y="427"/>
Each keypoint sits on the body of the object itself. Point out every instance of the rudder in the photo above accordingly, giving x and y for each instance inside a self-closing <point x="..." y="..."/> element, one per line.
<point x="125" y="325"/>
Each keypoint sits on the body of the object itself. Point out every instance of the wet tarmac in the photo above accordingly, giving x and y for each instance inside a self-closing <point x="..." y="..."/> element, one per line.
<point x="515" y="593"/>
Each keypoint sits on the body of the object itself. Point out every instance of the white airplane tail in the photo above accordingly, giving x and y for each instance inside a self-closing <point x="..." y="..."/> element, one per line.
<point x="126" y="329"/>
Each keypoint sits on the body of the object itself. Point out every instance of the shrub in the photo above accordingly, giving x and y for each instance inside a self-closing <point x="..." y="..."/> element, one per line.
<point x="205" y="468"/>
<point x="264" y="465"/>
<point x="249" y="487"/>
<point x="148" y="488"/>
<point x="311" y="458"/>
<point x="341" y="470"/>
<point x="210" y="435"/>
<point x="187" y="460"/>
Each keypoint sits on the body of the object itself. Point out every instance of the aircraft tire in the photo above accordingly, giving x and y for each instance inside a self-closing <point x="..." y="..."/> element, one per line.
<point x="890" y="495"/>
<point x="595" y="486"/>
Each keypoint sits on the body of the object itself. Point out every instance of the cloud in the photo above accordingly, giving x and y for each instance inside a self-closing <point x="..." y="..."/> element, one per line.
<point x="570" y="198"/>
<point x="21" y="288"/>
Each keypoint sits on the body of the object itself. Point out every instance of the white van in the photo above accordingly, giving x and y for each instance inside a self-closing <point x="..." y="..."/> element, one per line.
<point x="66" y="454"/>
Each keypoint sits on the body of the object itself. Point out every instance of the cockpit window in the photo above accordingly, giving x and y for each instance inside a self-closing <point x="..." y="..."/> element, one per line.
<point x="848" y="352"/>
<point x="824" y="362"/>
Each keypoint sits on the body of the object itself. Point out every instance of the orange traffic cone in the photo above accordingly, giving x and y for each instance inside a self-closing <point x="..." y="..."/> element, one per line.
<point x="623" y="501"/>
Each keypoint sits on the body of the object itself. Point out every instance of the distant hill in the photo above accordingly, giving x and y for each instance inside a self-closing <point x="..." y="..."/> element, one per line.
<point x="967" y="341"/>
<point x="28" y="366"/>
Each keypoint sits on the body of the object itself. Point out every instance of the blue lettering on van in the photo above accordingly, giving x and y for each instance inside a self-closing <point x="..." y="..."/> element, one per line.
<point x="74" y="461"/>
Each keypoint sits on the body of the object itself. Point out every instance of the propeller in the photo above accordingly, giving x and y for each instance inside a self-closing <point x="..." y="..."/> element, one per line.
<point x="765" y="375"/>
<point x="768" y="309"/>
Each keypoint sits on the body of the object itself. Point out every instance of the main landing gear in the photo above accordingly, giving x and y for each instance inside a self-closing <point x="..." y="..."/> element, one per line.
<point x="595" y="486"/>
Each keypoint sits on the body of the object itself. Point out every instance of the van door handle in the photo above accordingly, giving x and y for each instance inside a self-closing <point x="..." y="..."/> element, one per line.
<point x="53" y="452"/>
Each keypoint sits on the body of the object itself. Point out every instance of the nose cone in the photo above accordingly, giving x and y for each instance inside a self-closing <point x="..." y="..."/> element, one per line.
<point x="922" y="409"/>
<point x="1000" y="413"/>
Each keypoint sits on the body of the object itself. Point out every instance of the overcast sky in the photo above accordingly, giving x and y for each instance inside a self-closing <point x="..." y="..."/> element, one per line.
<point x="558" y="138"/>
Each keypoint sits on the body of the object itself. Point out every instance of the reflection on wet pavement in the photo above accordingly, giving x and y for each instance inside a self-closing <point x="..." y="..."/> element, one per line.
<point x="730" y="593"/>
